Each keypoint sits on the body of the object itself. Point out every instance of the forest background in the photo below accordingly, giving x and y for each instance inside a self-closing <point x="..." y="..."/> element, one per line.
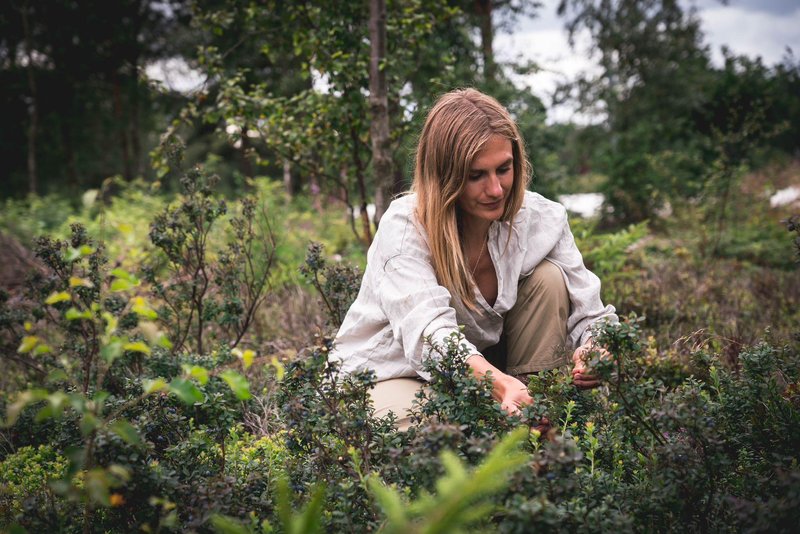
<point x="165" y="316"/>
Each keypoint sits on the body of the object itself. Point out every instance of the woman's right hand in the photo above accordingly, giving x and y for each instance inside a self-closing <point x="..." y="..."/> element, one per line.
<point x="510" y="392"/>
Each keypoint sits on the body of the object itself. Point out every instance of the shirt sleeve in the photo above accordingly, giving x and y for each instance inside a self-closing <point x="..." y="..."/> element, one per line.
<point x="417" y="308"/>
<point x="583" y="287"/>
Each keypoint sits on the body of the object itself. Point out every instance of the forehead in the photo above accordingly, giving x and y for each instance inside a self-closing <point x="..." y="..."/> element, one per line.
<point x="496" y="151"/>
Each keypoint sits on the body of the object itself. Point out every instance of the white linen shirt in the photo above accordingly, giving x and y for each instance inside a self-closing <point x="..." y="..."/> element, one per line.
<point x="401" y="303"/>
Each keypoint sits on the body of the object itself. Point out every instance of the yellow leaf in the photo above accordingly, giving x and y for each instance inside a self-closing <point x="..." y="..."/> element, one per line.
<point x="28" y="326"/>
<point x="28" y="342"/>
<point x="74" y="281"/>
<point x="247" y="358"/>
<point x="137" y="346"/>
<point x="60" y="296"/>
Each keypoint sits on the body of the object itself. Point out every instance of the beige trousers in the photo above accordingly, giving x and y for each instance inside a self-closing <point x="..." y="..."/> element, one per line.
<point x="533" y="340"/>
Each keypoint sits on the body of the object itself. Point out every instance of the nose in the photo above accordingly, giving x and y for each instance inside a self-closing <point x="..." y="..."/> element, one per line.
<point x="493" y="187"/>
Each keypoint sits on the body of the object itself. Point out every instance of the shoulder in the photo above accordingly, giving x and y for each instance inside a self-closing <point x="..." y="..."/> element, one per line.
<point x="538" y="210"/>
<point x="399" y="231"/>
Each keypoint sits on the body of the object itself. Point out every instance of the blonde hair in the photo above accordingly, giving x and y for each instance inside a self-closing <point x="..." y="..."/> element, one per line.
<point x="456" y="129"/>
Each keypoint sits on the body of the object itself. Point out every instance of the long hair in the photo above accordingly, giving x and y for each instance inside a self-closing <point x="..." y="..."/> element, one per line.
<point x="456" y="129"/>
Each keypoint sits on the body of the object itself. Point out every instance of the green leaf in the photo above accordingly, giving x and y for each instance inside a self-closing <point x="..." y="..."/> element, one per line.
<point x="24" y="399"/>
<point x="85" y="250"/>
<point x="141" y="308"/>
<point x="198" y="373"/>
<point x="126" y="431"/>
<point x="120" y="285"/>
<point x="237" y="383"/>
<point x="137" y="346"/>
<point x="186" y="391"/>
<point x="72" y="255"/>
<point x="59" y="296"/>
<point x="227" y="525"/>
<point x="121" y="273"/>
<point x="112" y="351"/>
<point x="88" y="423"/>
<point x="73" y="314"/>
<point x="27" y="345"/>
<point x="152" y="386"/>
<point x="41" y="348"/>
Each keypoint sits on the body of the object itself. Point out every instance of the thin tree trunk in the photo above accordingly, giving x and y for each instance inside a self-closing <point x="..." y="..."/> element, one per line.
<point x="484" y="10"/>
<point x="287" y="177"/>
<point x="136" y="142"/>
<point x="33" y="109"/>
<point x="127" y="171"/>
<point x="379" y="108"/>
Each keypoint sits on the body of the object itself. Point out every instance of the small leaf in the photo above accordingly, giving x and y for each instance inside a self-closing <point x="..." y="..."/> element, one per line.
<point x="142" y="309"/>
<point x="137" y="346"/>
<point x="88" y="423"/>
<point x="247" y="358"/>
<point x="111" y="323"/>
<point x="41" y="348"/>
<point x="60" y="296"/>
<point x="121" y="273"/>
<point x="185" y="391"/>
<point x="73" y="314"/>
<point x="74" y="281"/>
<point x="152" y="386"/>
<point x="120" y="284"/>
<point x="72" y="255"/>
<point x="164" y="342"/>
<point x="198" y="373"/>
<point x="28" y="326"/>
<point x="27" y="345"/>
<point x="85" y="250"/>
<point x="237" y="383"/>
<point x="126" y="431"/>
<point x="227" y="525"/>
<point x="280" y="370"/>
<point x="112" y="351"/>
<point x="25" y="398"/>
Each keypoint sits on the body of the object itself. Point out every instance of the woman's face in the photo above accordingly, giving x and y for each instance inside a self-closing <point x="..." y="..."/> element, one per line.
<point x="489" y="182"/>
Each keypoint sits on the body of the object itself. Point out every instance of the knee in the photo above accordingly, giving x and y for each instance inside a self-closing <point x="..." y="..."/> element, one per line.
<point x="547" y="280"/>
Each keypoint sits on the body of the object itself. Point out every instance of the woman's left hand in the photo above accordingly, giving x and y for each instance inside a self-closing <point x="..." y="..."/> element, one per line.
<point x="581" y="376"/>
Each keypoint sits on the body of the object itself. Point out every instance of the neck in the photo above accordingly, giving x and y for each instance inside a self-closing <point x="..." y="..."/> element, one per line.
<point x="474" y="231"/>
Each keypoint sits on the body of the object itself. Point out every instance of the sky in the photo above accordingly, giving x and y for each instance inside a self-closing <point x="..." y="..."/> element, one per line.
<point x="762" y="28"/>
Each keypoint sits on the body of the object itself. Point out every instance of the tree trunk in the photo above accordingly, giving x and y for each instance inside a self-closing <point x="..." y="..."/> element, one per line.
<point x="136" y="142"/>
<point x="484" y="10"/>
<point x="379" y="109"/>
<point x="127" y="170"/>
<point x="33" y="108"/>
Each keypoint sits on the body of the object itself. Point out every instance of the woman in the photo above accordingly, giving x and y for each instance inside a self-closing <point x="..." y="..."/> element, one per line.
<point x="470" y="246"/>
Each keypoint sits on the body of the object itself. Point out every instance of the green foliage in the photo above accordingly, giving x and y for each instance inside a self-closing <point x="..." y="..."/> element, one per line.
<point x="606" y="254"/>
<point x="204" y="292"/>
<point x="461" y="494"/>
<point x="24" y="480"/>
<point x="338" y="285"/>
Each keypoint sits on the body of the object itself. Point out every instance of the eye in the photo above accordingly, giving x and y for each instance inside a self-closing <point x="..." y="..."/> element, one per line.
<point x="473" y="177"/>
<point x="503" y="170"/>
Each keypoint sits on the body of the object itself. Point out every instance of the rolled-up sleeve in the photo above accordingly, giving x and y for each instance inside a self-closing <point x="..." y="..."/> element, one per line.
<point x="583" y="287"/>
<point x="417" y="307"/>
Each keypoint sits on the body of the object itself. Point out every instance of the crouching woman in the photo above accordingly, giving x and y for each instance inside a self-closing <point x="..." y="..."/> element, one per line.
<point x="470" y="246"/>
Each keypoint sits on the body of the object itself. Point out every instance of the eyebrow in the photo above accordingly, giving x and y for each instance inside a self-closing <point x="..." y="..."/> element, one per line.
<point x="509" y="161"/>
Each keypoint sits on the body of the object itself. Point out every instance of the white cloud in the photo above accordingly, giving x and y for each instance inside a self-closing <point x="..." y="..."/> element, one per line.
<point x="751" y="28"/>
<point x="175" y="74"/>
<point x="752" y="33"/>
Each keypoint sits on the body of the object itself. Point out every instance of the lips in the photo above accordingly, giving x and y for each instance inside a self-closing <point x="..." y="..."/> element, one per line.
<point x="492" y="205"/>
